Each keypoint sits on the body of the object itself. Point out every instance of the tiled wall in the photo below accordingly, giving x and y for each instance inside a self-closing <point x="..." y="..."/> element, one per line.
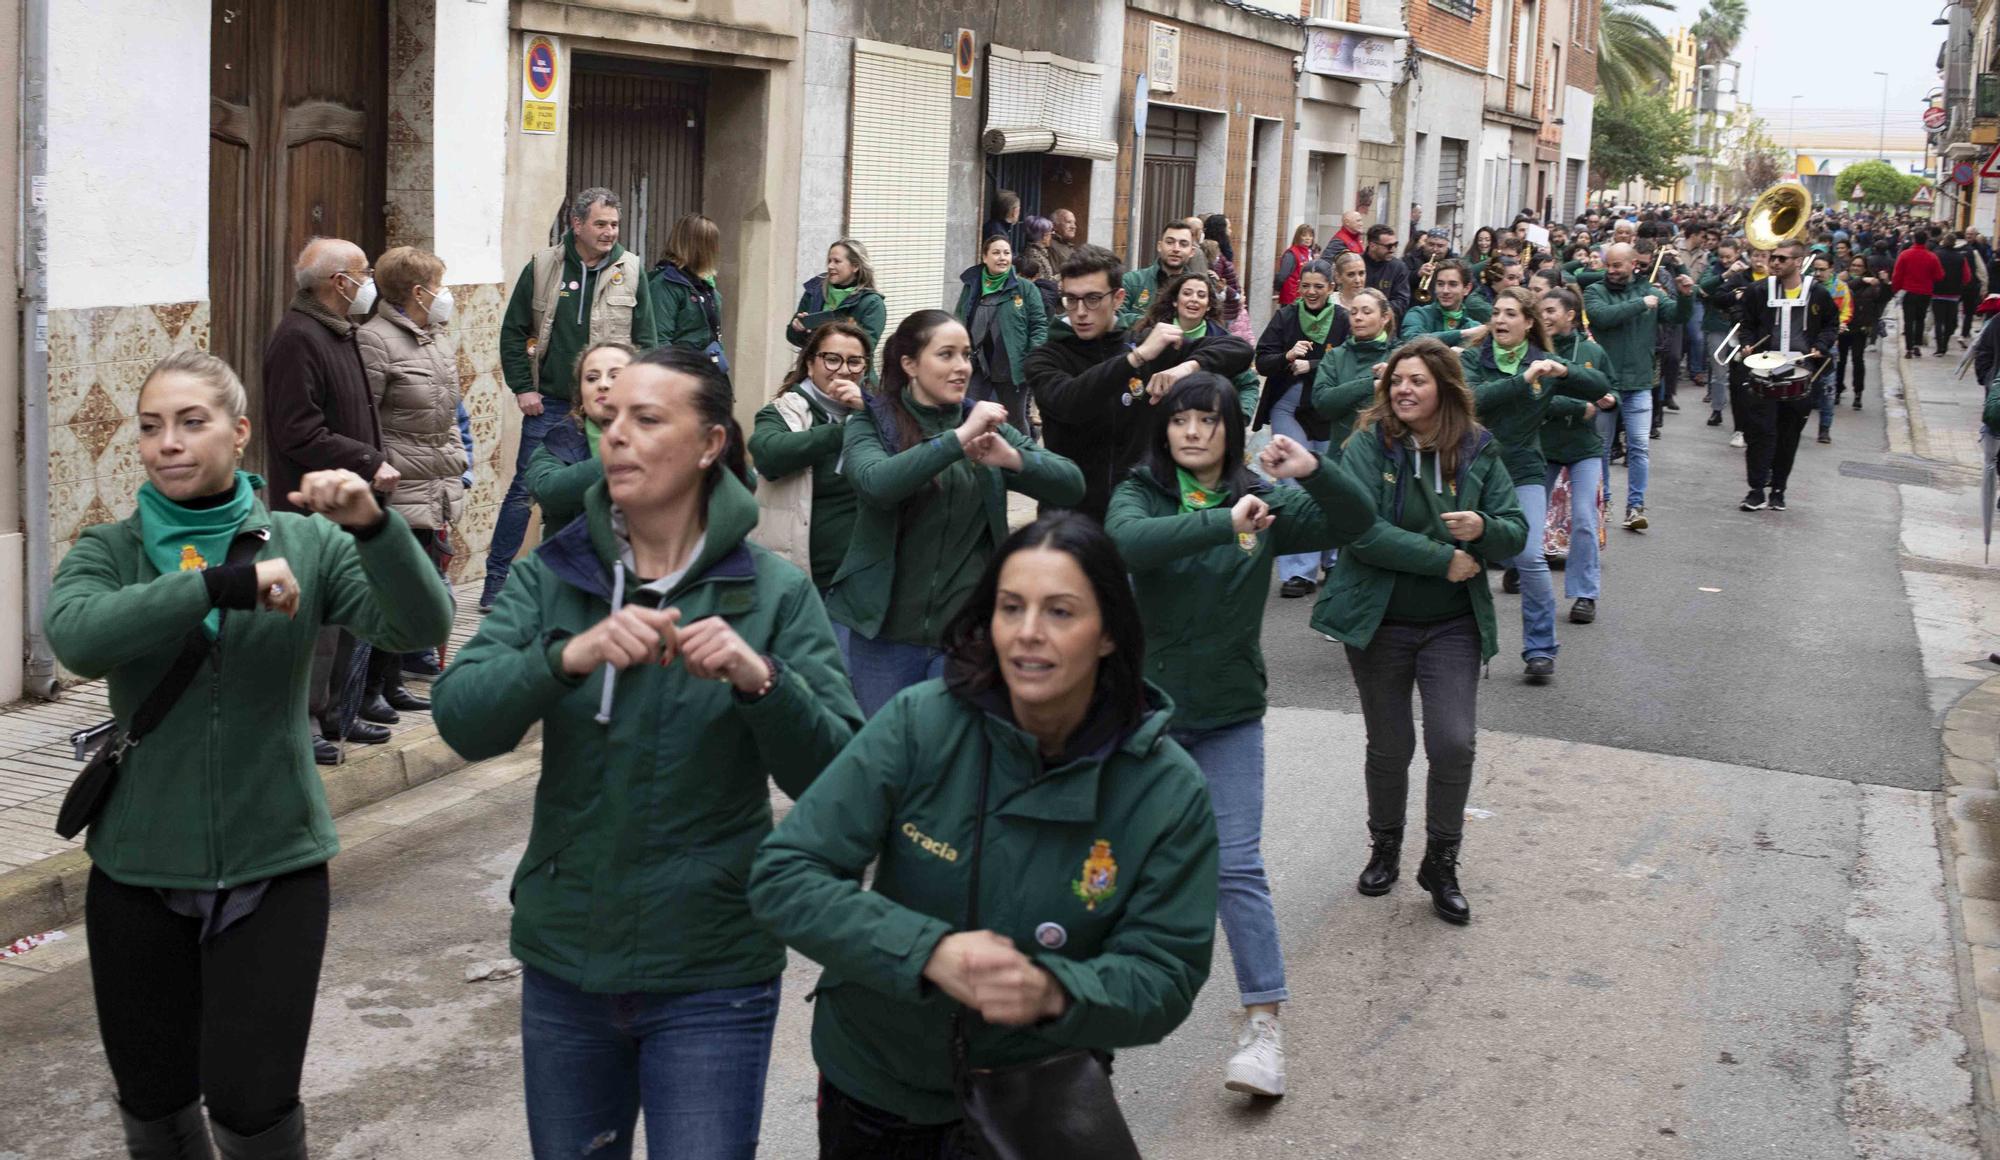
<point x="97" y="360"/>
<point x="476" y="331"/>
<point x="409" y="220"/>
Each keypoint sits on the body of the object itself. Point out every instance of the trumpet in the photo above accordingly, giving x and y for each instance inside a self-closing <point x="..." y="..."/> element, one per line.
<point x="1424" y="283"/>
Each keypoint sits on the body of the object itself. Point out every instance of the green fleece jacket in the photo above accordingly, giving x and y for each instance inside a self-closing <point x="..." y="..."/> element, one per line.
<point x="1345" y="384"/>
<point x="1627" y="328"/>
<point x="1202" y="587"/>
<point x="1366" y="577"/>
<point x="644" y="829"/>
<point x="1100" y="865"/>
<point x="1429" y="319"/>
<point x="225" y="791"/>
<point x="1514" y="409"/>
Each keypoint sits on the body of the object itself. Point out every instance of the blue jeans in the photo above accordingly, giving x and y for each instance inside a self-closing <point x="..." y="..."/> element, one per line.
<point x="1284" y="421"/>
<point x="1538" y="594"/>
<point x="512" y="526"/>
<point x="1231" y="758"/>
<point x="1823" y="398"/>
<point x="1580" y="574"/>
<point x="1635" y="410"/>
<point x="696" y="1064"/>
<point x="882" y="668"/>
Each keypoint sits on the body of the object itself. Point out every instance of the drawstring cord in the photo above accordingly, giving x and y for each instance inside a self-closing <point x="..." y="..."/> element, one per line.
<point x="611" y="674"/>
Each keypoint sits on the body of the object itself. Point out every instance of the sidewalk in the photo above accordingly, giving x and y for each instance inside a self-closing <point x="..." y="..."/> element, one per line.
<point x="42" y="876"/>
<point x="1949" y="584"/>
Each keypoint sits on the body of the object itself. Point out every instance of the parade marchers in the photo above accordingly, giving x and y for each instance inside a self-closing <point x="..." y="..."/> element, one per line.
<point x="1047" y="742"/>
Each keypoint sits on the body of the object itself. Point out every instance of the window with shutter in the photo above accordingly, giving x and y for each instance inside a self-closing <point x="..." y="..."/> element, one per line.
<point x="900" y="158"/>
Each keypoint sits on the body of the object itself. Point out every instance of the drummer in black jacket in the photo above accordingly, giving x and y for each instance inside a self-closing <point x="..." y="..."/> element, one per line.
<point x="1786" y="313"/>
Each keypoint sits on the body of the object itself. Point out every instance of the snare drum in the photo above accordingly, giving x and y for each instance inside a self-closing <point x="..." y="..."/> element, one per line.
<point x="1777" y="374"/>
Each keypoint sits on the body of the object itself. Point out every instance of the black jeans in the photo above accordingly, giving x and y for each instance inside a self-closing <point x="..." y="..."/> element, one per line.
<point x="1916" y="308"/>
<point x="1967" y="303"/>
<point x="1853" y="352"/>
<point x="1944" y="311"/>
<point x="852" y="1130"/>
<point x="1771" y="430"/>
<point x="225" y="1020"/>
<point x="1442" y="661"/>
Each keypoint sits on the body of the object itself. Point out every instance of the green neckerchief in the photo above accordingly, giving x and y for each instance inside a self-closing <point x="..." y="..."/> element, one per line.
<point x="184" y="539"/>
<point x="707" y="280"/>
<point x="1452" y="318"/>
<point x="1316" y="326"/>
<point x="835" y="296"/>
<point x="592" y="432"/>
<point x="1508" y="358"/>
<point x="1197" y="496"/>
<point x="1198" y="331"/>
<point x="991" y="283"/>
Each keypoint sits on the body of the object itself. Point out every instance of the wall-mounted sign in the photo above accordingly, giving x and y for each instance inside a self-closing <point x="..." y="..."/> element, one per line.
<point x="1163" y="58"/>
<point x="1962" y="173"/>
<point x="1924" y="196"/>
<point x="1350" y="55"/>
<point x="1935" y="117"/>
<point x="541" y="84"/>
<point x="962" y="57"/>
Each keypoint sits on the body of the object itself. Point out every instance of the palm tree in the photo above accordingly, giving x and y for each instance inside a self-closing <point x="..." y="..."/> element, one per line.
<point x="1718" y="29"/>
<point x="1632" y="53"/>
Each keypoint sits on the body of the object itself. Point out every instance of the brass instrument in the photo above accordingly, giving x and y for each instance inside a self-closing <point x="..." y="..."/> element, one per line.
<point x="1780" y="214"/>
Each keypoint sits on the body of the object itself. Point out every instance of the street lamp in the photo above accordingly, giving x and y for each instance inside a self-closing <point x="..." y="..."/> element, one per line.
<point x="1882" y="134"/>
<point x="1942" y="20"/>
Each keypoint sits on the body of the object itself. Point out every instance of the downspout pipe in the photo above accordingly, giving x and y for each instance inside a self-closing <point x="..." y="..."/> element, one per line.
<point x="40" y="677"/>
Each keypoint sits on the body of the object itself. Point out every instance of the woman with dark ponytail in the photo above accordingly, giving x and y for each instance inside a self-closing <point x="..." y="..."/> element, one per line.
<point x="652" y="617"/>
<point x="931" y="471"/>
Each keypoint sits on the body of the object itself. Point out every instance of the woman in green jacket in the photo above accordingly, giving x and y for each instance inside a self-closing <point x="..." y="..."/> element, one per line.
<point x="1190" y="303"/>
<point x="1006" y="319"/>
<point x="1409" y="600"/>
<point x="846" y="290"/>
<point x="931" y="470"/>
<point x="687" y="308"/>
<point x="1345" y="381"/>
<point x="208" y="859"/>
<point x="1044" y="856"/>
<point x="1570" y="442"/>
<point x="676" y="669"/>
<point x="806" y="505"/>
<point x="1201" y="535"/>
<point x="566" y="464"/>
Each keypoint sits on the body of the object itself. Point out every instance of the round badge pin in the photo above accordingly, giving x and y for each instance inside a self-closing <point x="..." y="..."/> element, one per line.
<point x="1051" y="935"/>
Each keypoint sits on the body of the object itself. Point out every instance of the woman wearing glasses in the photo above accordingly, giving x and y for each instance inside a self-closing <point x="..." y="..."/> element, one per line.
<point x="807" y="505"/>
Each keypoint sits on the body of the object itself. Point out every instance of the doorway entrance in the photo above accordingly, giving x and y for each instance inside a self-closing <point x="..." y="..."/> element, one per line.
<point x="636" y="128"/>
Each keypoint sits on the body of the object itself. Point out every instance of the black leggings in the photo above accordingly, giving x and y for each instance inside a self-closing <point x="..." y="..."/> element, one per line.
<point x="224" y="1020"/>
<point x="852" y="1130"/>
<point x="1853" y="352"/>
<point x="1916" y="311"/>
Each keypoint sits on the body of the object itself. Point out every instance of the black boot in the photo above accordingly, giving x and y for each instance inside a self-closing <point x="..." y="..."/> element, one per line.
<point x="284" y="1140"/>
<point x="399" y="697"/>
<point x="181" y="1136"/>
<point x="1384" y="862"/>
<point x="1439" y="875"/>
<point x="374" y="708"/>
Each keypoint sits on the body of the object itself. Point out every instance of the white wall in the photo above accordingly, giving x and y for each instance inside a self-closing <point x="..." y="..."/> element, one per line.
<point x="1449" y="106"/>
<point x="128" y="152"/>
<point x="1578" y="106"/>
<point x="474" y="86"/>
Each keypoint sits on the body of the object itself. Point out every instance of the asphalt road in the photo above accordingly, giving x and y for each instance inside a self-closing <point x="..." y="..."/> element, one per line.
<point x="1806" y="658"/>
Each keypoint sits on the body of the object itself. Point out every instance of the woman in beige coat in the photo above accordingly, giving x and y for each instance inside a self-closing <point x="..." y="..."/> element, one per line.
<point x="413" y="374"/>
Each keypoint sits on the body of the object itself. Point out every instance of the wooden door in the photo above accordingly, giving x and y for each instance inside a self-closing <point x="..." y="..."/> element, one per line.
<point x="636" y="128"/>
<point x="297" y="127"/>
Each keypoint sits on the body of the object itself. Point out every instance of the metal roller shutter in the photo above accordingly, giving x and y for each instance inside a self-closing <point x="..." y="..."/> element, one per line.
<point x="899" y="186"/>
<point x="1451" y="171"/>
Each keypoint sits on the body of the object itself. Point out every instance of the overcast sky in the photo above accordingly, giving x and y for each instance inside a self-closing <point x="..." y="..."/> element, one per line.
<point x="1826" y="51"/>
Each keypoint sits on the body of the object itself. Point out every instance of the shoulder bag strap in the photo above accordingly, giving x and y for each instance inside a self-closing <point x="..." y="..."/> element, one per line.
<point x="959" y="1050"/>
<point x="195" y="650"/>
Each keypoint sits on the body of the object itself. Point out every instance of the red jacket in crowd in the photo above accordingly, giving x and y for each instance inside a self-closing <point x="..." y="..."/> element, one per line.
<point x="1917" y="271"/>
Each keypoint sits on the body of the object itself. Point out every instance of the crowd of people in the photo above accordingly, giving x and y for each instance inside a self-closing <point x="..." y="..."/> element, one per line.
<point x="1041" y="747"/>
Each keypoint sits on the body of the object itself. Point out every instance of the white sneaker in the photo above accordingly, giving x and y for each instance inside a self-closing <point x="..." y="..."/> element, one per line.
<point x="1258" y="1067"/>
<point x="1736" y="440"/>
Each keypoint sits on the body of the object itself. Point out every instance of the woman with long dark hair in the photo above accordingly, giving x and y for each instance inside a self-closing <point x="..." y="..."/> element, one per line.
<point x="1215" y="228"/>
<point x="1190" y="303"/>
<point x="1006" y="319"/>
<point x="931" y="470"/>
<point x="1291" y="266"/>
<point x="1480" y="251"/>
<point x="1200" y="533"/>
<point x="648" y="985"/>
<point x="806" y="504"/>
<point x="208" y="883"/>
<point x="1044" y="861"/>
<point x="1411" y="603"/>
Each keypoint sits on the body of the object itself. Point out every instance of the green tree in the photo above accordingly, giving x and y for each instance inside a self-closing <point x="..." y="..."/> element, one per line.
<point x="1642" y="137"/>
<point x="1881" y="184"/>
<point x="1751" y="161"/>
<point x="1718" y="29"/>
<point x="1633" y="55"/>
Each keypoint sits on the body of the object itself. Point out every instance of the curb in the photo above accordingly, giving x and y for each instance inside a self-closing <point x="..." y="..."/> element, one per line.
<point x="1913" y="409"/>
<point x="1971" y="738"/>
<point x="48" y="894"/>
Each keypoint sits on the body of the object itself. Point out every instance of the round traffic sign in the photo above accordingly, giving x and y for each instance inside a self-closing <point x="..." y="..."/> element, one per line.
<point x="1935" y="117"/>
<point x="540" y="63"/>
<point x="1962" y="173"/>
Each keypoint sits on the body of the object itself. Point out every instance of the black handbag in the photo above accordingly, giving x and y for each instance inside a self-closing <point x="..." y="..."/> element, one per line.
<point x="92" y="787"/>
<point x="1055" y="1108"/>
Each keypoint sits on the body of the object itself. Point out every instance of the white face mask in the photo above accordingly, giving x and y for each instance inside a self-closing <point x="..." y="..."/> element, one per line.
<point x="364" y="298"/>
<point x="440" y="307"/>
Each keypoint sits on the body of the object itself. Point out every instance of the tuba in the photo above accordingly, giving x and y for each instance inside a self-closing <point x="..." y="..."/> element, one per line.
<point x="1780" y="214"/>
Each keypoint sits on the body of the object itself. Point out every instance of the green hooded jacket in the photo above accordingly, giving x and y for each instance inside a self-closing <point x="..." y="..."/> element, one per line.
<point x="1569" y="434"/>
<point x="1513" y="408"/>
<point x="1356" y="597"/>
<point x="1626" y="329"/>
<point x="1429" y="319"/>
<point x="866" y="307"/>
<point x="225" y="791"/>
<point x="644" y="829"/>
<point x="1102" y="869"/>
<point x="1023" y="321"/>
<point x="678" y="317"/>
<point x="1345" y="384"/>
<point x="1202" y="593"/>
<point x="886" y="476"/>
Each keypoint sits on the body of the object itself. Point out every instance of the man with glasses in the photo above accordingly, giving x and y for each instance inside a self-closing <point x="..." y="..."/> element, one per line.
<point x="1792" y="314"/>
<point x="1085" y="378"/>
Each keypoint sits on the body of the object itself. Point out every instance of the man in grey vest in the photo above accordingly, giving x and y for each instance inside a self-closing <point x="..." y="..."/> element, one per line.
<point x="586" y="290"/>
